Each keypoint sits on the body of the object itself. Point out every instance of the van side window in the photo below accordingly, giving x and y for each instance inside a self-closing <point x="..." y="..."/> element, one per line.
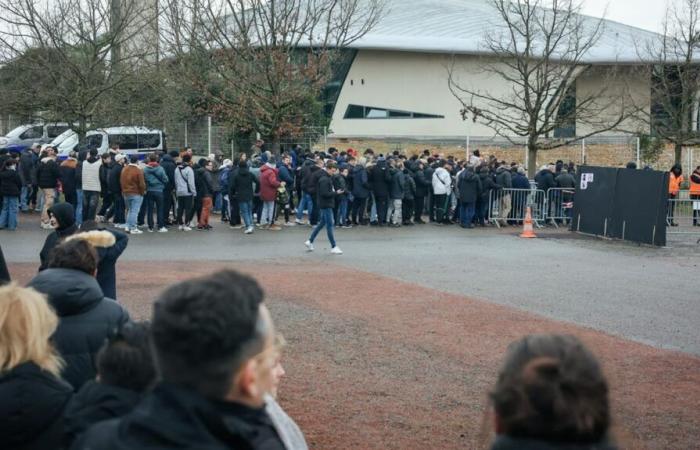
<point x="55" y="130"/>
<point x="125" y="141"/>
<point x="149" y="140"/>
<point x="33" y="133"/>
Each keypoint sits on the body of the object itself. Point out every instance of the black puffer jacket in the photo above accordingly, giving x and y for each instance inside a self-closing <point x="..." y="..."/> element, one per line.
<point x="106" y="268"/>
<point x="172" y="417"/>
<point x="242" y="185"/>
<point x="423" y="184"/>
<point x="87" y="318"/>
<point x="380" y="178"/>
<point x="27" y="167"/>
<point x="114" y="182"/>
<point x="326" y="194"/>
<point x="168" y="164"/>
<point x="469" y="185"/>
<point x="65" y="216"/>
<point x="396" y="186"/>
<point x="10" y="183"/>
<point x="32" y="402"/>
<point x="509" y="443"/>
<point x="47" y="173"/>
<point x="94" y="403"/>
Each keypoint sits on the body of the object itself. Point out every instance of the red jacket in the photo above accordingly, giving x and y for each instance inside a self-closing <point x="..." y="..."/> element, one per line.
<point x="268" y="183"/>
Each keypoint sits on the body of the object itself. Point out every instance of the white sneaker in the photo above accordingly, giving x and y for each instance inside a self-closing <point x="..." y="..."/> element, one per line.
<point x="163" y="230"/>
<point x="309" y="246"/>
<point x="180" y="227"/>
<point x="336" y="251"/>
<point x="121" y="226"/>
<point x="290" y="224"/>
<point x="249" y="230"/>
<point x="135" y="231"/>
<point x="186" y="228"/>
<point x="299" y="222"/>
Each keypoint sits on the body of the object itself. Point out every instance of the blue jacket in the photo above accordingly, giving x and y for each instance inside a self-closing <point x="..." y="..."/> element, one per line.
<point x="360" y="182"/>
<point x="156" y="178"/>
<point x="520" y="182"/>
<point x="286" y="175"/>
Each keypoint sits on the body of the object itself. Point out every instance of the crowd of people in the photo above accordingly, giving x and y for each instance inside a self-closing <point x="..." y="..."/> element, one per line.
<point x="77" y="373"/>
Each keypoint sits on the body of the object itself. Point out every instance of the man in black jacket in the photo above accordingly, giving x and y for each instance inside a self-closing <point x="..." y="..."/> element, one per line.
<point x="326" y="200"/>
<point x="27" y="170"/>
<point x="242" y="190"/>
<point x="423" y="186"/>
<point x="380" y="178"/>
<point x="167" y="162"/>
<point x="469" y="186"/>
<point x="48" y="176"/>
<point x="213" y="379"/>
<point x="115" y="187"/>
<point x="63" y="221"/>
<point x="312" y="188"/>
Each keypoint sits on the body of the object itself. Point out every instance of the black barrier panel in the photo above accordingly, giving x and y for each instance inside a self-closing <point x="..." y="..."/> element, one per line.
<point x="594" y="200"/>
<point x="640" y="206"/>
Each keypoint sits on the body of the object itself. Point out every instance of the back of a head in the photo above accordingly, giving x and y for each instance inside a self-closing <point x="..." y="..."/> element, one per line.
<point x="26" y="325"/>
<point x="133" y="159"/>
<point x="76" y="254"/>
<point x="551" y="388"/>
<point x="204" y="329"/>
<point x="126" y="360"/>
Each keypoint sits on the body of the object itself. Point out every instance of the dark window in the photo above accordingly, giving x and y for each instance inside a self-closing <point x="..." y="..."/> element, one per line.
<point x="149" y="141"/>
<point x="33" y="133"/>
<point x="371" y="112"/>
<point x="94" y="141"/>
<point x="55" y="130"/>
<point x="566" y="116"/>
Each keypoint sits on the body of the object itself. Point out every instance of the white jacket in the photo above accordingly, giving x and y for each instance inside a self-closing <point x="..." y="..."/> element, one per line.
<point x="442" y="181"/>
<point x="91" y="175"/>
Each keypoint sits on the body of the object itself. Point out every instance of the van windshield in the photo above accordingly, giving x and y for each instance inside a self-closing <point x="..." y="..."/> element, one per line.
<point x="135" y="141"/>
<point x="17" y="131"/>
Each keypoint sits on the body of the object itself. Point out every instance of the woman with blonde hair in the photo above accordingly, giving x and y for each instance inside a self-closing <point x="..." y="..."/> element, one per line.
<point x="32" y="396"/>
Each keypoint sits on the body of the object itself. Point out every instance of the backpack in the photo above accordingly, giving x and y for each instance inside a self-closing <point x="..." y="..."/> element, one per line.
<point x="282" y="195"/>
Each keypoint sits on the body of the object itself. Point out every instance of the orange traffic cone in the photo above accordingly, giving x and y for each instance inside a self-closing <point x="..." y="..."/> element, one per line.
<point x="528" y="231"/>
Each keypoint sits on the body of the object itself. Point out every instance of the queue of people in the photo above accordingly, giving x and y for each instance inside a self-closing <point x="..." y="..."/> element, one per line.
<point x="204" y="372"/>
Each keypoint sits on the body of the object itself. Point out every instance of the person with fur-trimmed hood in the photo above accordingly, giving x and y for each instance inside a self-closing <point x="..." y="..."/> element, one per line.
<point x="62" y="219"/>
<point x="86" y="316"/>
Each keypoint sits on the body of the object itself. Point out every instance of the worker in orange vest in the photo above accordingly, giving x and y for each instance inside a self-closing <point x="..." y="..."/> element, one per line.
<point x="695" y="195"/>
<point x="674" y="187"/>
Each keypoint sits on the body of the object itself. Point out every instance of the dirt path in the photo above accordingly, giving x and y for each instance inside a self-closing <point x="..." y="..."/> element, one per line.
<point x="377" y="363"/>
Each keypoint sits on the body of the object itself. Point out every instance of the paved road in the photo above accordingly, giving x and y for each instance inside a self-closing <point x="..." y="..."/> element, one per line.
<point x="645" y="294"/>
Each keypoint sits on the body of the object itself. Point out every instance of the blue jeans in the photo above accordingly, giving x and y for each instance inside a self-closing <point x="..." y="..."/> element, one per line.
<point x="79" y="207"/>
<point x="466" y="213"/>
<point x="305" y="203"/>
<point x="218" y="201"/>
<point x="246" y="213"/>
<point x="8" y="216"/>
<point x="343" y="211"/>
<point x="325" y="220"/>
<point x="91" y="200"/>
<point x="133" y="202"/>
<point x="154" y="198"/>
<point x="24" y="197"/>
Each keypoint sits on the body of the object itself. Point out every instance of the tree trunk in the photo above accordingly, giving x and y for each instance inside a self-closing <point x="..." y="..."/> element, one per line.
<point x="531" y="159"/>
<point x="678" y="151"/>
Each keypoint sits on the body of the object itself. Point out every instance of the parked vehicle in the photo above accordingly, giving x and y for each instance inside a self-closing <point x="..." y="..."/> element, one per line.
<point x="65" y="143"/>
<point x="131" y="140"/>
<point x="24" y="136"/>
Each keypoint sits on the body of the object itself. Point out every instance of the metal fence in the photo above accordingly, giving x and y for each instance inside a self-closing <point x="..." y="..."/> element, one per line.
<point x="560" y="204"/>
<point x="683" y="214"/>
<point x="509" y="206"/>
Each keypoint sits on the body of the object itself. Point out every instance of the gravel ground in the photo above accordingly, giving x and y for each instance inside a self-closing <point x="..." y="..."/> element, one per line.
<point x="374" y="362"/>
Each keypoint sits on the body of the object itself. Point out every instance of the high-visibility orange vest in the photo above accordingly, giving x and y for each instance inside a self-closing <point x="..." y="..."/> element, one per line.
<point x="695" y="185"/>
<point x="674" y="184"/>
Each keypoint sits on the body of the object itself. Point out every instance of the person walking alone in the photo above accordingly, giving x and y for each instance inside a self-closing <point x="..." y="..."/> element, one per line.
<point x="326" y="200"/>
<point x="186" y="191"/>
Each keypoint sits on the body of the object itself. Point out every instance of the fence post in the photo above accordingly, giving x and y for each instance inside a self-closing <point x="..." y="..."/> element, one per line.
<point x="527" y="157"/>
<point x="583" y="151"/>
<point x="208" y="135"/>
<point x="233" y="140"/>
<point x="639" y="154"/>
<point x="186" y="143"/>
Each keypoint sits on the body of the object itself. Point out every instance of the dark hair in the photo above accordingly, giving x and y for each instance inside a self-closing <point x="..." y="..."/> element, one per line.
<point x="242" y="163"/>
<point x="186" y="158"/>
<point x="76" y="254"/>
<point x="105" y="156"/>
<point x="93" y="151"/>
<point x="125" y="360"/>
<point x="204" y="329"/>
<point x="153" y="157"/>
<point x="174" y="153"/>
<point x="552" y="388"/>
<point x="133" y="159"/>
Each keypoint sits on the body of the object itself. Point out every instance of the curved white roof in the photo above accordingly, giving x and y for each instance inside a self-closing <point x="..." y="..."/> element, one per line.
<point x="459" y="26"/>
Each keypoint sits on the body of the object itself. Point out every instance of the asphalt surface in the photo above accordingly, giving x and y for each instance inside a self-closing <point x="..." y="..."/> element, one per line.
<point x="649" y="295"/>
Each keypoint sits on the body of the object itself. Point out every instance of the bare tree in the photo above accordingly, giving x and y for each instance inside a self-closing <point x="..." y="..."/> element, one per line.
<point x="675" y="88"/>
<point x="262" y="65"/>
<point x="539" y="52"/>
<point x="87" y="54"/>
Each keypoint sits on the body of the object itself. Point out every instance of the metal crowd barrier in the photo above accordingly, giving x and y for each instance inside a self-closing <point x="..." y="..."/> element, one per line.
<point x="510" y="206"/>
<point x="560" y="204"/>
<point x="683" y="214"/>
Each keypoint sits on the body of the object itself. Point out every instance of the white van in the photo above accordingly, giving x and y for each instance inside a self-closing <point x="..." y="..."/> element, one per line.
<point x="131" y="140"/>
<point x="65" y="143"/>
<point x="24" y="136"/>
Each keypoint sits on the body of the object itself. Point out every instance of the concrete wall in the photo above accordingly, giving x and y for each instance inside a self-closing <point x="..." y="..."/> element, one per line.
<point x="419" y="82"/>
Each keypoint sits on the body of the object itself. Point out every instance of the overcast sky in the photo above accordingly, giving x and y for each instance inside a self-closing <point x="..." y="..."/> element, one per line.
<point x="646" y="14"/>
